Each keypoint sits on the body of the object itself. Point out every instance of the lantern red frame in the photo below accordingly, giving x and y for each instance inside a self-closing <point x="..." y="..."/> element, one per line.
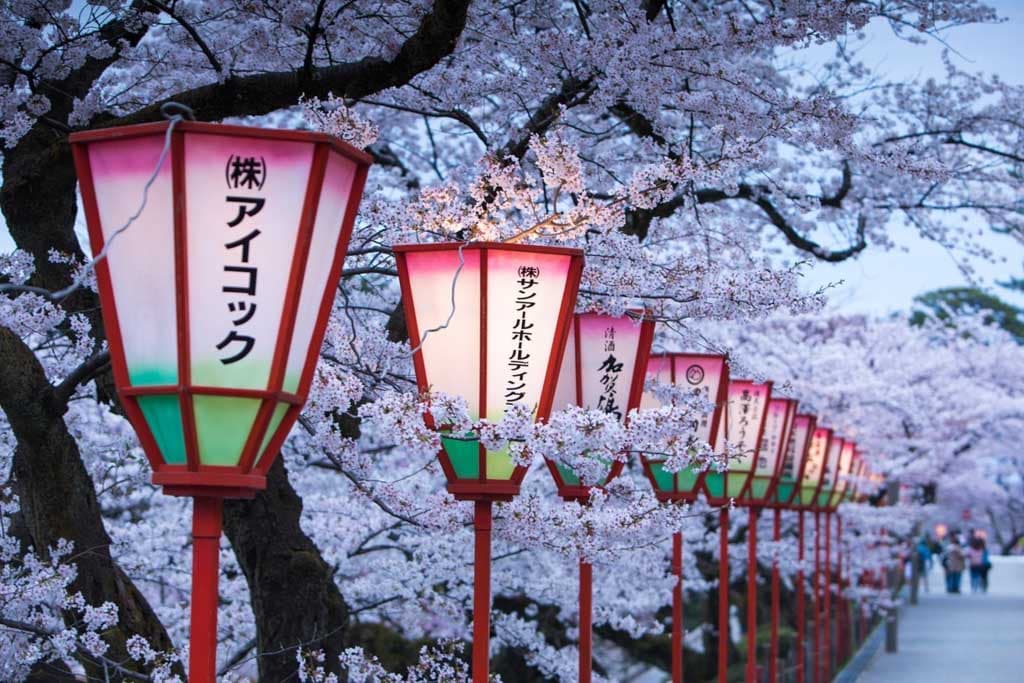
<point x="580" y="492"/>
<point x="817" y="505"/>
<point x="793" y="502"/>
<point x="842" y="479"/>
<point x="483" y="488"/>
<point x="743" y="492"/>
<point x="717" y="417"/>
<point x="249" y="476"/>
<point x="773" y="480"/>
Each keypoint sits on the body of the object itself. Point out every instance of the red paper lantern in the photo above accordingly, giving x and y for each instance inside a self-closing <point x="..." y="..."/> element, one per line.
<point x="770" y="460"/>
<point x="745" y="416"/>
<point x="603" y="368"/>
<point x="797" y="447"/>
<point x="501" y="344"/>
<point x="705" y="375"/>
<point x="814" y="467"/>
<point x="216" y="297"/>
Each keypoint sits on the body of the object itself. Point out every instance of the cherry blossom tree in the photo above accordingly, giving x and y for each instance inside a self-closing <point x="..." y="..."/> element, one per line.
<point x="686" y="147"/>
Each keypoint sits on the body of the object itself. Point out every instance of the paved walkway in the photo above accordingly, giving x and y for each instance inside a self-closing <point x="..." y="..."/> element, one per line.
<point x="960" y="638"/>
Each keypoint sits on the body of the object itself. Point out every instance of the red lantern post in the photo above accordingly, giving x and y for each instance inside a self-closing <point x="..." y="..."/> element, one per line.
<point x="707" y="376"/>
<point x="224" y="316"/>
<point x="771" y="462"/>
<point x="846" y="460"/>
<point x="829" y="477"/>
<point x="490" y="323"/>
<point x="603" y="369"/>
<point x="787" y="496"/>
<point x="746" y="416"/>
<point x="806" y="498"/>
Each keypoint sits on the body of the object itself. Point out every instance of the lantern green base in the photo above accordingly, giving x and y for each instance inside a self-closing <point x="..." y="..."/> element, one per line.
<point x="784" y="491"/>
<point x="681" y="482"/>
<point x="464" y="456"/>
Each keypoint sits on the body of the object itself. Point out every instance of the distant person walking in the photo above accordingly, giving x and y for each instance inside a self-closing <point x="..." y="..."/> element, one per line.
<point x="924" y="560"/>
<point x="986" y="566"/>
<point x="954" y="562"/>
<point x="975" y="561"/>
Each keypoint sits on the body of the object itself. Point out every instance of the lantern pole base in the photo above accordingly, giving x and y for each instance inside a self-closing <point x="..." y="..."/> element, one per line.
<point x="586" y="623"/>
<point x="773" y="656"/>
<point x="751" y="669"/>
<point x="723" y="595"/>
<point x="801" y="608"/>
<point x="207" y="521"/>
<point x="482" y="518"/>
<point x="677" y="608"/>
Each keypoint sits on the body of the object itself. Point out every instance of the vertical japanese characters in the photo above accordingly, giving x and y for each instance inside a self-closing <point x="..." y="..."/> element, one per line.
<point x="519" y="359"/>
<point x="610" y="368"/>
<point x="247" y="174"/>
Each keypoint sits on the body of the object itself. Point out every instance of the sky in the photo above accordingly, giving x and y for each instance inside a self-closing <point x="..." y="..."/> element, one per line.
<point x="878" y="281"/>
<point x="885" y="281"/>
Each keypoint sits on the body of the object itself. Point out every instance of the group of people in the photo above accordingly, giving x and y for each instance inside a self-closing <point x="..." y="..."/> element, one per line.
<point x="956" y="556"/>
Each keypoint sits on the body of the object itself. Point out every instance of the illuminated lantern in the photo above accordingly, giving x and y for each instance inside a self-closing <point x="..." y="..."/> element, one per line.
<point x="846" y="460"/>
<point x="787" y="489"/>
<point x="830" y="475"/>
<point x="215" y="300"/>
<point x="603" y="369"/>
<point x="850" y="492"/>
<point x="814" y="467"/>
<point x="706" y="376"/>
<point x="501" y="344"/>
<point x="768" y="469"/>
<point x="488" y="322"/>
<point x="745" y="415"/>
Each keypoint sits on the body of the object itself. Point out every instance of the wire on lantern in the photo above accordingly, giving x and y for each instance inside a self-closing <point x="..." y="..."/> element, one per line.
<point x="174" y="112"/>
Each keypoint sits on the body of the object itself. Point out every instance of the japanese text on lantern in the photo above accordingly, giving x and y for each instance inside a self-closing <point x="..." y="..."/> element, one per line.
<point x="610" y="368"/>
<point x="745" y="406"/>
<point x="246" y="174"/>
<point x="789" y="464"/>
<point x="519" y="359"/>
<point x="770" y="439"/>
<point x="695" y="377"/>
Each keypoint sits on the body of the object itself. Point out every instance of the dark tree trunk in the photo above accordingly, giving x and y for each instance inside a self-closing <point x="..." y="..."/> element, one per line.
<point x="58" y="500"/>
<point x="294" y="597"/>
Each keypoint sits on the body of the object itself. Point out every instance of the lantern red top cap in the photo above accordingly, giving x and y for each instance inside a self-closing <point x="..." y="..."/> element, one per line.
<point x="215" y="299"/>
<point x="500" y="345"/>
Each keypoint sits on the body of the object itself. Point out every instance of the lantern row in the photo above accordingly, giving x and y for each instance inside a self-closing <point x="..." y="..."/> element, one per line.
<point x="216" y="292"/>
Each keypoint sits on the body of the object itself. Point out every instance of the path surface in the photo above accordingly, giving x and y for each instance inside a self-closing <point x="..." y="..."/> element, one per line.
<point x="960" y="638"/>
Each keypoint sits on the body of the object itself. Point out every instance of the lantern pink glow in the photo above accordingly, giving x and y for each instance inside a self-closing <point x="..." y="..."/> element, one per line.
<point x="500" y="345"/>
<point x="768" y="469"/>
<point x="817" y="455"/>
<point x="215" y="299"/>
<point x="602" y="369"/>
<point x="706" y="375"/>
<point x="846" y="461"/>
<point x="745" y="415"/>
<point x="797" y="446"/>
<point x="830" y="472"/>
